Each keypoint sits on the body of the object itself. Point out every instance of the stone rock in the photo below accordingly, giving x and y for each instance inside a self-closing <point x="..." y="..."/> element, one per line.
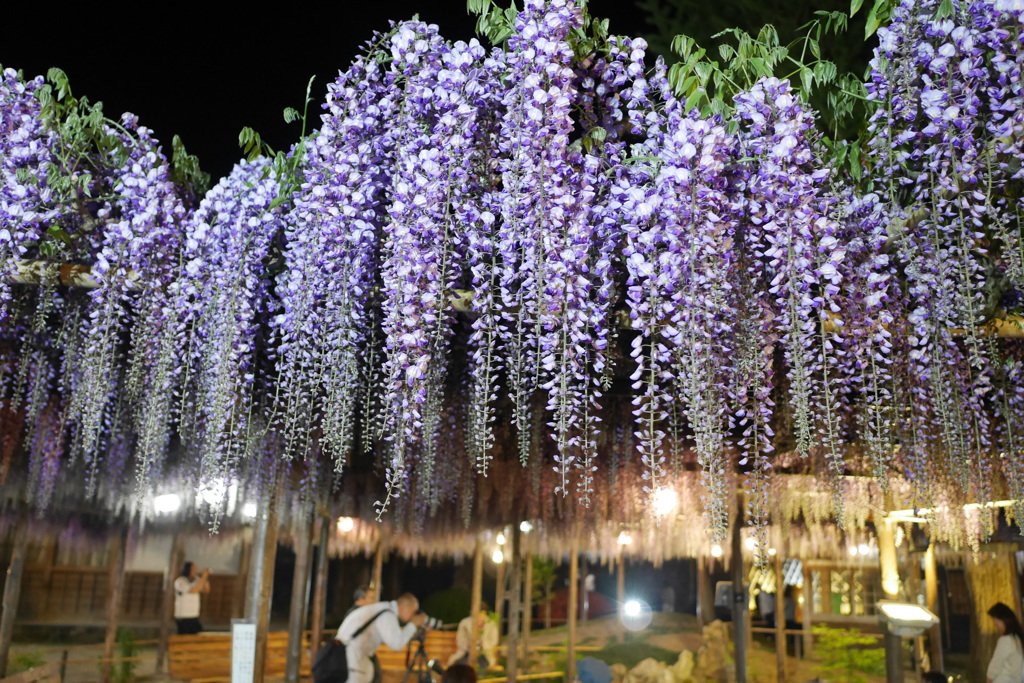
<point x="682" y="670"/>
<point x="714" y="655"/>
<point x="649" y="671"/>
<point x="619" y="672"/>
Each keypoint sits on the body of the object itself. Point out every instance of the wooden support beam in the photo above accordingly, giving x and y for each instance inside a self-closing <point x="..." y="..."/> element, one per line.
<point x="527" y="605"/>
<point x="620" y="583"/>
<point x="115" y="584"/>
<point x="515" y="605"/>
<point x="242" y="578"/>
<point x="320" y="586"/>
<point x="475" y="596"/>
<point x="174" y="564"/>
<point x="808" y="611"/>
<point x="571" y="607"/>
<point x="887" y="558"/>
<point x="12" y="586"/>
<point x="705" y="592"/>
<point x="780" y="619"/>
<point x="584" y="594"/>
<point x="378" y="570"/>
<point x="300" y="596"/>
<point x="262" y="602"/>
<point x="739" y="595"/>
<point x="499" y="589"/>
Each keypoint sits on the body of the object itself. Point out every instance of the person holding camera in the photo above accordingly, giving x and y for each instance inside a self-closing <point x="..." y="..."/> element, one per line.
<point x="392" y="623"/>
<point x="187" y="589"/>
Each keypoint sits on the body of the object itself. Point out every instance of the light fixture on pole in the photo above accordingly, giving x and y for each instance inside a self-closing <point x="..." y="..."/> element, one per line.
<point x="899" y="620"/>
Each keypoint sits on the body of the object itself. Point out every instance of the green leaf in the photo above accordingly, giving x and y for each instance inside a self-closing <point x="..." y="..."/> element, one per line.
<point x="945" y="10"/>
<point x="815" y="50"/>
<point x="855" y="6"/>
<point x="291" y="115"/>
<point x="873" y="22"/>
<point x="807" y="80"/>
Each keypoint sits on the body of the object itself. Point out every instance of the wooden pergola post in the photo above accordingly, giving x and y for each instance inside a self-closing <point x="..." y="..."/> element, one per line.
<point x="931" y="590"/>
<point x="527" y="605"/>
<point x="174" y="565"/>
<point x="620" y="583"/>
<point x="780" y="618"/>
<point x="475" y="595"/>
<point x="705" y="593"/>
<point x="115" y="584"/>
<point x="378" y="569"/>
<point x="297" y="608"/>
<point x="12" y="587"/>
<point x="499" y="589"/>
<point x="242" y="578"/>
<point x="571" y="607"/>
<point x="739" y="596"/>
<point x="265" y="583"/>
<point x="320" y="586"/>
<point x="584" y="612"/>
<point x="515" y="603"/>
<point x="890" y="589"/>
<point x="808" y="610"/>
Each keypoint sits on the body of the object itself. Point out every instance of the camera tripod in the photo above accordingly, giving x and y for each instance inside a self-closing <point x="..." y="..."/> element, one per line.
<point x="420" y="666"/>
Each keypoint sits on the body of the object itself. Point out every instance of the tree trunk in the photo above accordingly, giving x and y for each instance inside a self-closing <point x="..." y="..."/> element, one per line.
<point x="527" y="608"/>
<point x="475" y="598"/>
<point x="739" y="596"/>
<point x="515" y="603"/>
<point x="780" y="619"/>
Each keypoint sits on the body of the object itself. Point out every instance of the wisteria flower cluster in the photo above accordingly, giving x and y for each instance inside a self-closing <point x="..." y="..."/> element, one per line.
<point x="488" y="252"/>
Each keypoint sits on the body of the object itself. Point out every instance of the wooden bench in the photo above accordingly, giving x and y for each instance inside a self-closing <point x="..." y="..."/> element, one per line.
<point x="439" y="645"/>
<point x="48" y="673"/>
<point x="206" y="657"/>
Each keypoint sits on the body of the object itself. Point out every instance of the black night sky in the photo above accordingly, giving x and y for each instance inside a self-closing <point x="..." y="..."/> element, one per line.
<point x="204" y="72"/>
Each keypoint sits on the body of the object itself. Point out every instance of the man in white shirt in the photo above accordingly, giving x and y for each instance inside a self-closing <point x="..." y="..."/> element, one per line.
<point x="187" y="588"/>
<point x="394" y="624"/>
<point x="487" y="641"/>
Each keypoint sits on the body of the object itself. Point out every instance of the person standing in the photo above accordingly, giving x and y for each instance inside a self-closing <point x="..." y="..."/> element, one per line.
<point x="1007" y="664"/>
<point x="366" y="628"/>
<point x="187" y="589"/>
<point x="487" y="641"/>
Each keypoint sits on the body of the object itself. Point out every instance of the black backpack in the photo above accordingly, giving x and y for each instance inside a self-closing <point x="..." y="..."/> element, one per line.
<point x="331" y="662"/>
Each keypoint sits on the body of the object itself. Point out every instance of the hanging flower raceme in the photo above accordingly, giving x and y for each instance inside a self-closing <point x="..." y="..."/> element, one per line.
<point x="222" y="300"/>
<point x="27" y="206"/>
<point x="327" y="323"/>
<point x="140" y="230"/>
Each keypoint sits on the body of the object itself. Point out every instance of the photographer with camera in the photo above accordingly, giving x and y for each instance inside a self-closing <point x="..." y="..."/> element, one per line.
<point x="392" y="623"/>
<point x="187" y="588"/>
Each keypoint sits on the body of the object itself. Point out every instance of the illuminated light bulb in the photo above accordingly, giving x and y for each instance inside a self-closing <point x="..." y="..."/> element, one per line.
<point x="632" y="608"/>
<point x="498" y="557"/>
<point x="716" y="550"/>
<point x="863" y="549"/>
<point x="624" y="538"/>
<point x="501" y="539"/>
<point x="525" y="527"/>
<point x="772" y="551"/>
<point x="853" y="551"/>
<point x="346" y="524"/>
<point x="665" y="501"/>
<point x="249" y="510"/>
<point x="750" y="543"/>
<point x="167" y="503"/>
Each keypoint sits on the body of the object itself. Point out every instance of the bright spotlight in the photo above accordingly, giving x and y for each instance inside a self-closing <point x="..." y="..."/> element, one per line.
<point x="249" y="510"/>
<point x="624" y="538"/>
<point x="525" y="527"/>
<point x="751" y="543"/>
<point x="716" y="550"/>
<point x="498" y="557"/>
<point x="636" y="615"/>
<point x="501" y="538"/>
<point x="863" y="549"/>
<point x="167" y="503"/>
<point x="346" y="524"/>
<point x="853" y="551"/>
<point x="665" y="501"/>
